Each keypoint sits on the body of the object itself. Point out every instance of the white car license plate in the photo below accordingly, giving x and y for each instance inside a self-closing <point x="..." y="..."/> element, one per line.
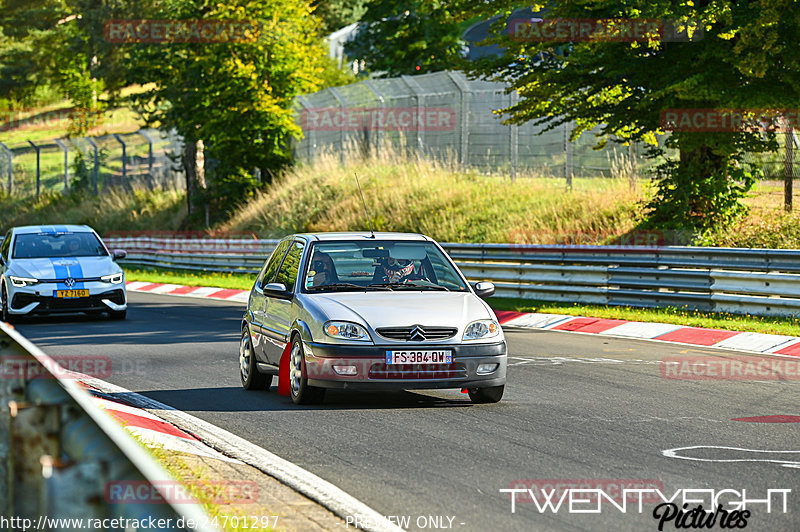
<point x="419" y="357"/>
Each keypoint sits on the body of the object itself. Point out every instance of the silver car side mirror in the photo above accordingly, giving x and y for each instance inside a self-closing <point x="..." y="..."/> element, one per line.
<point x="484" y="289"/>
<point x="274" y="287"/>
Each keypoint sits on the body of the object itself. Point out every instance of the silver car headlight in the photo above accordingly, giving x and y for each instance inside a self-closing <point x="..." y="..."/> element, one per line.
<point x="481" y="329"/>
<point x="345" y="330"/>
<point x="20" y="282"/>
<point x="114" y="278"/>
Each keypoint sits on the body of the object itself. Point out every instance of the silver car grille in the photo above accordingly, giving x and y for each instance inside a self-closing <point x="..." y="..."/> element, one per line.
<point x="417" y="333"/>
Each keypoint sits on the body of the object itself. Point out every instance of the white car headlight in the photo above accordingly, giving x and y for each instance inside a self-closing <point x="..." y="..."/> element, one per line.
<point x="345" y="330"/>
<point x="114" y="278"/>
<point x="481" y="329"/>
<point x="19" y="282"/>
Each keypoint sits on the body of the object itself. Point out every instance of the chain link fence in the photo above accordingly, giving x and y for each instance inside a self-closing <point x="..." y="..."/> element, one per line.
<point x="447" y="116"/>
<point x="147" y="158"/>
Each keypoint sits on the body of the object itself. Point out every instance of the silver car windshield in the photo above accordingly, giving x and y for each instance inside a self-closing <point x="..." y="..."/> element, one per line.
<point x="47" y="245"/>
<point x="379" y="265"/>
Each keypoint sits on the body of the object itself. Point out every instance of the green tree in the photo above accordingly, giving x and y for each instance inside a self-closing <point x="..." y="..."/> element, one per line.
<point x="744" y="57"/>
<point x="61" y="44"/>
<point x="236" y="97"/>
<point x="414" y="37"/>
<point x="336" y="14"/>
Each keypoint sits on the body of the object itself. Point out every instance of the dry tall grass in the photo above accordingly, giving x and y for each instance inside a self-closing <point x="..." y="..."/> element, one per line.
<point x="414" y="195"/>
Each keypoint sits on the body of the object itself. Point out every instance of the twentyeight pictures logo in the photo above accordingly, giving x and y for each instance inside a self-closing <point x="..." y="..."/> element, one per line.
<point x="683" y="508"/>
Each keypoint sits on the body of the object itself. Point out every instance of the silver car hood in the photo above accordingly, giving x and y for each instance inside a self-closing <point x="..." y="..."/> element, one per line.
<point x="398" y="309"/>
<point x="61" y="268"/>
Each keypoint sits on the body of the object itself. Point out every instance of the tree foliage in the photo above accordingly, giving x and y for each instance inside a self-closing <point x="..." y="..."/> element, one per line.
<point x="414" y="37"/>
<point x="746" y="57"/>
<point x="235" y="96"/>
<point x="336" y="14"/>
<point x="61" y="44"/>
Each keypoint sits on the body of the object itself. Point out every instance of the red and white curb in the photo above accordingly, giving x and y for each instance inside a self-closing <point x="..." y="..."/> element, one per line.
<point x="773" y="344"/>
<point x="153" y="430"/>
<point x="206" y="292"/>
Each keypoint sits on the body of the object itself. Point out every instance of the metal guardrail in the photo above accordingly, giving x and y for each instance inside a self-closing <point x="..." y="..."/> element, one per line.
<point x="60" y="454"/>
<point x="754" y="281"/>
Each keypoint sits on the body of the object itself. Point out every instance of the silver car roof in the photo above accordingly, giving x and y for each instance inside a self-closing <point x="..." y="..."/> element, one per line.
<point x="28" y="229"/>
<point x="364" y="235"/>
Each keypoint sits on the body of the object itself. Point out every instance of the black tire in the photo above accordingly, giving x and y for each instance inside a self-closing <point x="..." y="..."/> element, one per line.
<point x="252" y="379"/>
<point x="301" y="392"/>
<point x="4" y="314"/>
<point x="118" y="315"/>
<point x="492" y="394"/>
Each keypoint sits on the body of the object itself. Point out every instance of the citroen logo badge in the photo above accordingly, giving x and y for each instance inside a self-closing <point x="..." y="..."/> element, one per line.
<point x="70" y="282"/>
<point x="417" y="333"/>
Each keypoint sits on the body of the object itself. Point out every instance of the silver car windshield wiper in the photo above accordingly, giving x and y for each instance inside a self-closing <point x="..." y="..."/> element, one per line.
<point x="414" y="286"/>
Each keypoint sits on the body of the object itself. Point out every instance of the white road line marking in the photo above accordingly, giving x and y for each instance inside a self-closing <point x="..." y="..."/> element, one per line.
<point x="673" y="453"/>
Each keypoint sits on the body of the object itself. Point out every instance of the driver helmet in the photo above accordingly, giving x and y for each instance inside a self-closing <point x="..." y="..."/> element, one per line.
<point x="322" y="263"/>
<point x="396" y="269"/>
<point x="73" y="244"/>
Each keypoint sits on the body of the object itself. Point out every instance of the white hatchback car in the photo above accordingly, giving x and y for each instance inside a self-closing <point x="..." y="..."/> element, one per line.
<point x="46" y="269"/>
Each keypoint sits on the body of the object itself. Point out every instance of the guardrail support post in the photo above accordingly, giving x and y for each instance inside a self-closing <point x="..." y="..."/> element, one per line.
<point x="10" y="155"/>
<point x="35" y="432"/>
<point x="73" y="490"/>
<point x="38" y="167"/>
<point x="65" y="148"/>
<point x="95" y="168"/>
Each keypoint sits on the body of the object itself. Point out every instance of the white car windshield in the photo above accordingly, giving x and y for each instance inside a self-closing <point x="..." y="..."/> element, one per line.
<point x="380" y="265"/>
<point x="47" y="245"/>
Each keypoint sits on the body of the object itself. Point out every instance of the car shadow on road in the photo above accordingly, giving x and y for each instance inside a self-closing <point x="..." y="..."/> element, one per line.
<point x="235" y="399"/>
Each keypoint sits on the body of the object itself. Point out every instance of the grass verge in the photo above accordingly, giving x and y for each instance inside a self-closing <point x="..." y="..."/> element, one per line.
<point x="239" y="281"/>
<point x="200" y="482"/>
<point x="677" y="316"/>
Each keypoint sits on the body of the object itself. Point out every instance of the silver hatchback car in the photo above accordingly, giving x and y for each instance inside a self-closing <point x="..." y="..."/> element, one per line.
<point x="362" y="311"/>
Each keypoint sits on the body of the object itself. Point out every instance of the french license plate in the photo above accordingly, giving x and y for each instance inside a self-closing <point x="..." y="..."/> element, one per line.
<point x="71" y="293"/>
<point x="419" y="357"/>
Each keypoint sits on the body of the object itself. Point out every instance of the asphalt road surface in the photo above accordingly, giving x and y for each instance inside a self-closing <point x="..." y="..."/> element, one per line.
<point x="577" y="407"/>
